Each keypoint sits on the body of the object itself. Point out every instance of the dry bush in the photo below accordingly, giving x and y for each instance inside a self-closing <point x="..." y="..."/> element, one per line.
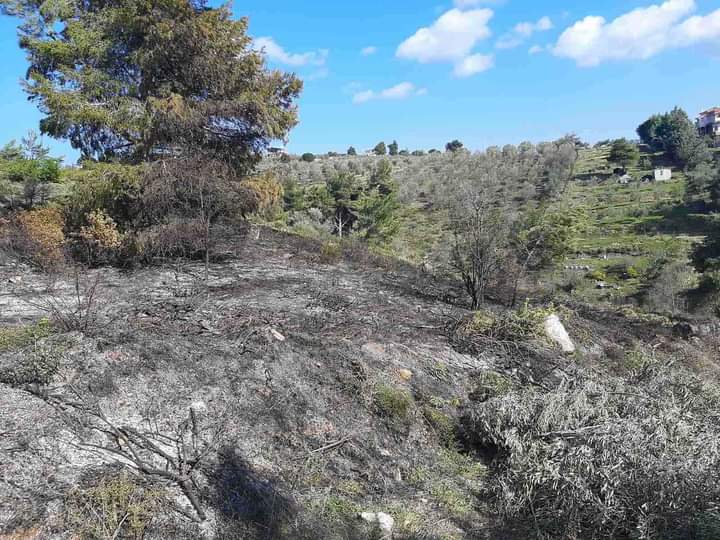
<point x="72" y="303"/>
<point x="99" y="240"/>
<point x="180" y="238"/>
<point x="605" y="459"/>
<point x="115" y="507"/>
<point x="36" y="236"/>
<point x="266" y="190"/>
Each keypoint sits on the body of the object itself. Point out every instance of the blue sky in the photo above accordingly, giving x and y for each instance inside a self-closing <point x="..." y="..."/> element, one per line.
<point x="484" y="72"/>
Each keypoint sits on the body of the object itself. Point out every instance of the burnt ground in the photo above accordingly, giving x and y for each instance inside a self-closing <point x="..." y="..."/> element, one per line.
<point x="331" y="389"/>
<point x="289" y="353"/>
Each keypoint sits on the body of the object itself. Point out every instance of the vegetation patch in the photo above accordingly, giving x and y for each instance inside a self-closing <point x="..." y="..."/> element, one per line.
<point x="392" y="402"/>
<point x="19" y="337"/>
<point x="115" y="507"/>
<point x="37" y="366"/>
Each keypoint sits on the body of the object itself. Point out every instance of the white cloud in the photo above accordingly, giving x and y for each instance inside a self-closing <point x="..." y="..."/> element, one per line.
<point x="367" y="51"/>
<point x="472" y="3"/>
<point x="536" y="49"/>
<point x="473" y="64"/>
<point x="403" y="90"/>
<point x="277" y="54"/>
<point x="523" y="31"/>
<point x="450" y="38"/>
<point x="638" y="34"/>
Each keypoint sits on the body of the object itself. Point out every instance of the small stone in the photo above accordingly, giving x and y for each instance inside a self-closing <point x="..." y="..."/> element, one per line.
<point x="277" y="335"/>
<point x="384" y="521"/>
<point x="405" y="374"/>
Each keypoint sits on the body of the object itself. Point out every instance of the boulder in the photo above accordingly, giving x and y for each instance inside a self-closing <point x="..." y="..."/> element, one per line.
<point x="556" y="332"/>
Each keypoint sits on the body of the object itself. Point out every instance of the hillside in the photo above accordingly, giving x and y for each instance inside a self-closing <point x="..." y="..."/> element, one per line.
<point x="331" y="387"/>
<point x="624" y="226"/>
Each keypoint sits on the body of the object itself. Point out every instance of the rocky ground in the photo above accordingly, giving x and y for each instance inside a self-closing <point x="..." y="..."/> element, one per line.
<point x="293" y="397"/>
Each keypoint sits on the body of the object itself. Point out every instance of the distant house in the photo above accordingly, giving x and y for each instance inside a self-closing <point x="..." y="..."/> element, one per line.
<point x="662" y="175"/>
<point x="276" y="151"/>
<point x="708" y="122"/>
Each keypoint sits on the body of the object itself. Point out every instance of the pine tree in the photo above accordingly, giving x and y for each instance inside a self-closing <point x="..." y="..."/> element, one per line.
<point x="137" y="80"/>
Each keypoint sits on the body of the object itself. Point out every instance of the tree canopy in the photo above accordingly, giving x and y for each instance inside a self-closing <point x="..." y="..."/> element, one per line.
<point x="624" y="153"/>
<point x="137" y="80"/>
<point x="676" y="134"/>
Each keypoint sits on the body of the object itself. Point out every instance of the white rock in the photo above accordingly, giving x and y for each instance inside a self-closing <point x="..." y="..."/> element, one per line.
<point x="557" y="333"/>
<point x="384" y="521"/>
<point x="277" y="335"/>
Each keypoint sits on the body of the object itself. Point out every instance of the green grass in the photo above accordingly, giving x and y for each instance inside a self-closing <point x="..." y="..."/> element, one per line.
<point x="19" y="337"/>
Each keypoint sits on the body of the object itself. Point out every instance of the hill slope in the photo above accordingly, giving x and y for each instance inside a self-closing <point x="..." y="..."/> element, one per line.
<point x="330" y="388"/>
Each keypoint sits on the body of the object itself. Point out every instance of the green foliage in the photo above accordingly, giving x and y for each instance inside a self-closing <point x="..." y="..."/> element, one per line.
<point x="116" y="507"/>
<point x="393" y="148"/>
<point x="490" y="384"/>
<point x="36" y="366"/>
<point x="27" y="171"/>
<point x="18" y="337"/>
<point x="703" y="183"/>
<point x="522" y="324"/>
<point x="351" y="151"/>
<point x="378" y="205"/>
<point x="624" y="153"/>
<point x="134" y="80"/>
<point x="308" y="157"/>
<point x="112" y="188"/>
<point x="380" y="149"/>
<point x="676" y="134"/>
<point x="444" y="425"/>
<point x="455" y="502"/>
<point x="293" y="195"/>
<point x="454" y="146"/>
<point x="330" y="252"/>
<point x="392" y="402"/>
<point x="544" y="237"/>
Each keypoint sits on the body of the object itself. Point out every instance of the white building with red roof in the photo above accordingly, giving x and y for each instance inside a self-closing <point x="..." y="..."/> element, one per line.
<point x="708" y="122"/>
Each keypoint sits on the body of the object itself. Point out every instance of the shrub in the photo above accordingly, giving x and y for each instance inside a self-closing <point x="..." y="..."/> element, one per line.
<point x="330" y="252"/>
<point x="38" y="366"/>
<point x="115" y="507"/>
<point x="180" y="238"/>
<point x="99" y="240"/>
<point x="36" y="236"/>
<point x="490" y="384"/>
<point x="111" y="188"/>
<point x="443" y="425"/>
<point x="392" y="402"/>
<point x="267" y="191"/>
<point x="597" y="275"/>
<point x="604" y="459"/>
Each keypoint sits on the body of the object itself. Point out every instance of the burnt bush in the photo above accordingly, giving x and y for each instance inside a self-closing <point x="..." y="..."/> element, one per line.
<point x="35" y="236"/>
<point x="604" y="459"/>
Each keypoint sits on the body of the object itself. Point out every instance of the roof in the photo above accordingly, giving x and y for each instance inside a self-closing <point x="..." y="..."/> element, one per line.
<point x="714" y="110"/>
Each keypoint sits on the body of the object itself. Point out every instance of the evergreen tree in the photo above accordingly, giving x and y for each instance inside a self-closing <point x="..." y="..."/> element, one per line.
<point x="454" y="146"/>
<point x="380" y="149"/>
<point x="351" y="151"/>
<point x="624" y="153"/>
<point x="393" y="148"/>
<point x="676" y="134"/>
<point x="136" y="80"/>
